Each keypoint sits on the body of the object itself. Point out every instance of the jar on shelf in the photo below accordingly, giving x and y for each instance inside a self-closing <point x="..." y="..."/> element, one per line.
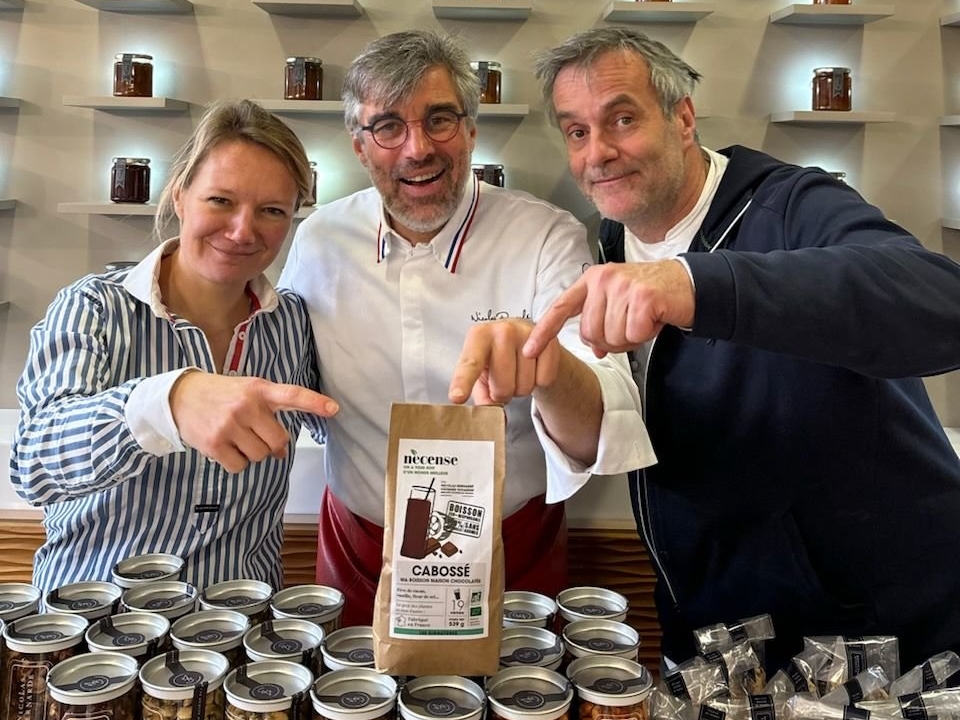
<point x="838" y="175"/>
<point x="303" y="79"/>
<point x="831" y="2"/>
<point x="654" y="0"/>
<point x="832" y="89"/>
<point x="130" y="180"/>
<point x="132" y="75"/>
<point x="489" y="74"/>
<point x="311" y="199"/>
<point x="490" y="174"/>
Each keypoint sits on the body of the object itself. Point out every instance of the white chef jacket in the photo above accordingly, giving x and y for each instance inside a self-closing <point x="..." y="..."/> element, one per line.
<point x="390" y="318"/>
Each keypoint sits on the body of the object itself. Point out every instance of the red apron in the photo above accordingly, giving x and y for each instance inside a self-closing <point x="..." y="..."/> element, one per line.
<point x="350" y="552"/>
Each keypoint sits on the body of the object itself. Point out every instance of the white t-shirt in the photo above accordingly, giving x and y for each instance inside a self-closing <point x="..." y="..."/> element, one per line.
<point x="390" y="319"/>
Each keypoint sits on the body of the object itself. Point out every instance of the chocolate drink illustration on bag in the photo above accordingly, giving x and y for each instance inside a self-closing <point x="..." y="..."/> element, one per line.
<point x="416" y="521"/>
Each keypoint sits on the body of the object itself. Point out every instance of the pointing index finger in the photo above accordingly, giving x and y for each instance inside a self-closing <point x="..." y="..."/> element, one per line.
<point x="294" y="397"/>
<point x="470" y="365"/>
<point x="569" y="304"/>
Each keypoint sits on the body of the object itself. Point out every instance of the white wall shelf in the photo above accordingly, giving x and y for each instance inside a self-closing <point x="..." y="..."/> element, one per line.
<point x="314" y="107"/>
<point x="9" y="102"/>
<point x="950" y="120"/>
<point x="640" y="12"/>
<point x="797" y="14"/>
<point x="7" y="203"/>
<point x="473" y="10"/>
<point x="950" y="20"/>
<point x="4" y="304"/>
<point x="11" y="5"/>
<point x="106" y="208"/>
<point x="503" y="110"/>
<point x="125" y="104"/>
<point x="951" y="223"/>
<point x="312" y="8"/>
<point x="146" y="7"/>
<point x="856" y="117"/>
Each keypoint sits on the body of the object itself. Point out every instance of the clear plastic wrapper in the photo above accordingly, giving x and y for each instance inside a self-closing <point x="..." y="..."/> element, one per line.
<point x="756" y="630"/>
<point x="665" y="706"/>
<point x="932" y="705"/>
<point x="695" y="680"/>
<point x="930" y="675"/>
<point x="804" y="707"/>
<point x="752" y="707"/>
<point x="848" y="657"/>
<point x="871" y="684"/>
<point x="742" y="669"/>
<point x="799" y="675"/>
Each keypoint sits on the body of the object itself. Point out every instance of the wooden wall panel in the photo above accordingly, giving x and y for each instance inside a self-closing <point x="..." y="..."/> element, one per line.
<point x="614" y="559"/>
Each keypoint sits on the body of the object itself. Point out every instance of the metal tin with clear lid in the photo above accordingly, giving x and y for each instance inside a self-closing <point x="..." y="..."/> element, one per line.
<point x="99" y="685"/>
<point x="184" y="683"/>
<point x="140" y="569"/>
<point x="317" y="603"/>
<point x="521" y="607"/>
<point x="529" y="693"/>
<point x="349" y="647"/>
<point x="171" y="598"/>
<point x="290" y="639"/>
<point x="250" y="597"/>
<point x="132" y="75"/>
<point x="17" y="600"/>
<point x="354" y="694"/>
<point x="219" y="630"/>
<point x="138" y="634"/>
<point x="268" y="686"/>
<point x="91" y="600"/>
<point x="585" y="602"/>
<point x="530" y="646"/>
<point x="441" y="696"/>
<point x="601" y="637"/>
<point x="617" y="686"/>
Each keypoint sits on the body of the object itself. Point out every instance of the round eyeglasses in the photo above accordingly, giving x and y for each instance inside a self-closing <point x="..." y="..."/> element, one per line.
<point x="391" y="132"/>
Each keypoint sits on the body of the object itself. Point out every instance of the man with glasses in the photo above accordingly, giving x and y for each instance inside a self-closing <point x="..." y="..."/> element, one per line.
<point x="426" y="281"/>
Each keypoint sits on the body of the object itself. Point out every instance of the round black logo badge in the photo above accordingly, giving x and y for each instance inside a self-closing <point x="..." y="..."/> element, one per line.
<point x="354" y="700"/>
<point x="266" y="691"/>
<point x="187" y="678"/>
<point x="440" y="707"/>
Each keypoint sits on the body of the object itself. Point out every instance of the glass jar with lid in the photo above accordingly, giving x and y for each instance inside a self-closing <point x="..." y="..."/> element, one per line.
<point x="311" y="199"/>
<point x="489" y="74"/>
<point x="97" y="685"/>
<point x="491" y="174"/>
<point x="130" y="180"/>
<point x="303" y="79"/>
<point x="832" y="89"/>
<point x="831" y="2"/>
<point x="184" y="684"/>
<point x="132" y="75"/>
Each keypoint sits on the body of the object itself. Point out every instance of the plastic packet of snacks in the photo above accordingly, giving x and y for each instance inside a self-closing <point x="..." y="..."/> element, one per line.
<point x="799" y="675"/>
<point x="848" y="657"/>
<point x="804" y="707"/>
<point x="932" y="705"/>
<point x="752" y="707"/>
<point x="871" y="684"/>
<point x="665" y="706"/>
<point x="756" y="630"/>
<point x="930" y="675"/>
<point x="741" y="667"/>
<point x="695" y="680"/>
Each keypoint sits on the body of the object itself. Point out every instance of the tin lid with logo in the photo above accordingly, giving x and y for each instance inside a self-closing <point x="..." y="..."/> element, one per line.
<point x="92" y="678"/>
<point x="611" y="681"/>
<point x="526" y="646"/>
<point x="527" y="608"/>
<point x="349" y="647"/>
<point x="354" y="694"/>
<point x="601" y="637"/>
<point x="304" y="59"/>
<point x="283" y="639"/>
<point x="580" y="603"/>
<point x="135" y="57"/>
<point x="176" y="674"/>
<point x="316" y="602"/>
<point x="170" y="598"/>
<point x="831" y="70"/>
<point x="43" y="633"/>
<point x="441" y="696"/>
<point x="132" y="633"/>
<point x="91" y="600"/>
<point x="153" y="566"/>
<point x="522" y="693"/>
<point x="218" y="630"/>
<point x="267" y="685"/>
<point x="17" y="600"/>
<point x="245" y="596"/>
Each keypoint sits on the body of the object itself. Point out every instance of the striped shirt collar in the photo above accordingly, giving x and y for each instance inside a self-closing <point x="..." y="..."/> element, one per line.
<point x="448" y="243"/>
<point x="143" y="282"/>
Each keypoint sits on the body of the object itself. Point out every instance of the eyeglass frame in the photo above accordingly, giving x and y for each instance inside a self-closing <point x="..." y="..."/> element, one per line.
<point x="460" y="115"/>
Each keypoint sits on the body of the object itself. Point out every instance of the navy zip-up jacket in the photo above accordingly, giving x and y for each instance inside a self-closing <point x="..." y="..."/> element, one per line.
<point x="802" y="470"/>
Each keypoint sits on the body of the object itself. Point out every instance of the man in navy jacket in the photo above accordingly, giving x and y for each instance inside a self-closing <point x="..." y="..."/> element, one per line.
<point x="779" y="326"/>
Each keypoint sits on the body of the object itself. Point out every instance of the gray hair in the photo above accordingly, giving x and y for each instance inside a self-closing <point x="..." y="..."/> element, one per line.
<point x="672" y="79"/>
<point x="391" y="67"/>
<point x="227" y="120"/>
